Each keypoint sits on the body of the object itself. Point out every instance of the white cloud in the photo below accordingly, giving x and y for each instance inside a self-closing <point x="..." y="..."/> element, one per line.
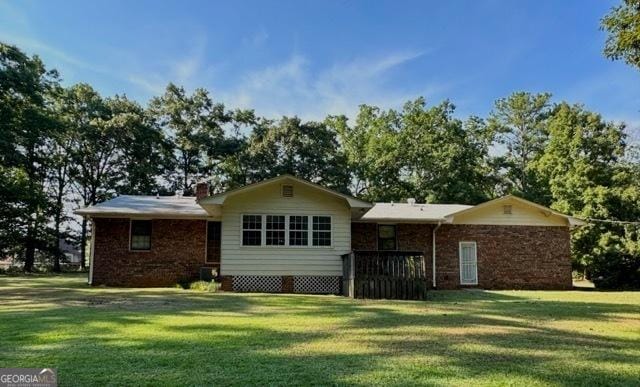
<point x="292" y="88"/>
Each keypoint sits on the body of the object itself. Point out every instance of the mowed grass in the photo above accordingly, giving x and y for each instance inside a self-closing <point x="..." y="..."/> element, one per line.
<point x="155" y="337"/>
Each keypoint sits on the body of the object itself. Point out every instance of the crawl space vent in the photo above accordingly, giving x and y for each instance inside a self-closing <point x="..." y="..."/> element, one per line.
<point x="287" y="191"/>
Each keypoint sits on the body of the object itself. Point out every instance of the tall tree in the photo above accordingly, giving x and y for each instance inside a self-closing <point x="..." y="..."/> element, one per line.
<point x="95" y="149"/>
<point x="195" y="126"/>
<point x="447" y="161"/>
<point x="520" y="121"/>
<point x="26" y="126"/>
<point x="582" y="162"/>
<point x="372" y="149"/>
<point x="623" y="26"/>
<point x="309" y="150"/>
<point x="144" y="152"/>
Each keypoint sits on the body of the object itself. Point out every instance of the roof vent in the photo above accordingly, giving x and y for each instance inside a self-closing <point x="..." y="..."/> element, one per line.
<point x="411" y="201"/>
<point x="287" y="191"/>
<point x="507" y="209"/>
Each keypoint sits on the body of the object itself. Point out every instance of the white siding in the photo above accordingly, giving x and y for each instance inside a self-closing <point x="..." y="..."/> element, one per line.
<point x="521" y="214"/>
<point x="284" y="260"/>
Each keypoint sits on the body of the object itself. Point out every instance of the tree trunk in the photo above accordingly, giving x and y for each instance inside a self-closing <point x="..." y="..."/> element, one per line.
<point x="30" y="251"/>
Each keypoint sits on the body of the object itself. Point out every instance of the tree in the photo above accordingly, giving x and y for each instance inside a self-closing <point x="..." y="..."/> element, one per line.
<point x="143" y="151"/>
<point x="195" y="126"/>
<point x="623" y="26"/>
<point x="372" y="150"/>
<point x="26" y="126"/>
<point x="520" y="121"/>
<point x="308" y="150"/>
<point x="95" y="149"/>
<point x="582" y="162"/>
<point x="446" y="160"/>
<point x="422" y="152"/>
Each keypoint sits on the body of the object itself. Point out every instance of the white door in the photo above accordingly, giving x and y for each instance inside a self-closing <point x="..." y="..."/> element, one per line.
<point x="468" y="263"/>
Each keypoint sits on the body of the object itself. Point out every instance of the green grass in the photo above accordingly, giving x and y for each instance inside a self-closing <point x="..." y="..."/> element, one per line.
<point x="98" y="336"/>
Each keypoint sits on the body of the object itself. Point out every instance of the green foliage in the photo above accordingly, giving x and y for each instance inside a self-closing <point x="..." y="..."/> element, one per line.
<point x="309" y="150"/>
<point x="623" y="26"/>
<point x="582" y="163"/>
<point x="204" y="286"/>
<point x="194" y="124"/>
<point x="418" y="152"/>
<point x="520" y="123"/>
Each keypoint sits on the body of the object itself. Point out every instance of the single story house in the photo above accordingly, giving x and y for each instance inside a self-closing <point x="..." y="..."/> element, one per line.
<point x="289" y="235"/>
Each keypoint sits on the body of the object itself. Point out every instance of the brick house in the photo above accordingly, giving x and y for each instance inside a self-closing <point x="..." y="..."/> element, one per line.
<point x="289" y="235"/>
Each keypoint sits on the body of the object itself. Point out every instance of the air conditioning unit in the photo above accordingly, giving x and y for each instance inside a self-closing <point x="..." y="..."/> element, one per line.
<point x="208" y="273"/>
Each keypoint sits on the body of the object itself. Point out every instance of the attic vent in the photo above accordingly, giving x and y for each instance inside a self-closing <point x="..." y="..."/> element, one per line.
<point x="287" y="191"/>
<point x="507" y="209"/>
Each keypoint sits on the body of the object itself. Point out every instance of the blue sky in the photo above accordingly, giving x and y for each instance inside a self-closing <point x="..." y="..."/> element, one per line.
<point x="313" y="58"/>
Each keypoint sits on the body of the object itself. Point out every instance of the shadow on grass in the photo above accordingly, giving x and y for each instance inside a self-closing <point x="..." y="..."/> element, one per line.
<point x="168" y="337"/>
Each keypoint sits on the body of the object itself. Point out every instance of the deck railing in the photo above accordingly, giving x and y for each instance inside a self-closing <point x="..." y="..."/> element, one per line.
<point x="385" y="274"/>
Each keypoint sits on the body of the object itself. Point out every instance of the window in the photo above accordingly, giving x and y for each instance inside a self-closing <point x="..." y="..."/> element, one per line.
<point x="275" y="230"/>
<point x="251" y="230"/>
<point x="140" y="235"/>
<point x="298" y="230"/>
<point x="468" y="263"/>
<point x="387" y="237"/>
<point x="322" y="231"/>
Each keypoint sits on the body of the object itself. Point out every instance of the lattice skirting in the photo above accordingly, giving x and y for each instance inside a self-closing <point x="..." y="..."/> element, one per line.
<point x="278" y="284"/>
<point x="257" y="283"/>
<point x="316" y="284"/>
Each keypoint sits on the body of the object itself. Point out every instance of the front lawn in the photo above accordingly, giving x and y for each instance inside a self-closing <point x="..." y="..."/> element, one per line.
<point x="98" y="336"/>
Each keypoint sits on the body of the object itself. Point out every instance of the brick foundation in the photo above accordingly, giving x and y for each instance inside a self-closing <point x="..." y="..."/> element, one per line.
<point x="509" y="257"/>
<point x="227" y="283"/>
<point x="177" y="253"/>
<point x="287" y="284"/>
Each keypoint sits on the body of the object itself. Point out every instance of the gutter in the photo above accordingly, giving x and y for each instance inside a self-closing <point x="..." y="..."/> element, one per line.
<point x="433" y="255"/>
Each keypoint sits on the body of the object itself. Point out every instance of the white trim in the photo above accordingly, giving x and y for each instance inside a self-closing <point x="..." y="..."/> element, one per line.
<point x="475" y="251"/>
<point x="433" y="255"/>
<point x="263" y="232"/>
<point x="92" y="251"/>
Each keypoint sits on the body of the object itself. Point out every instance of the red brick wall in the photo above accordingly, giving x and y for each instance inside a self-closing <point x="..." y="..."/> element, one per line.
<point x="177" y="253"/>
<point x="509" y="257"/>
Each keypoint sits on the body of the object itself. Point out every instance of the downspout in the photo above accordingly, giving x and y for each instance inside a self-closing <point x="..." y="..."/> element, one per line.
<point x="92" y="250"/>
<point x="433" y="255"/>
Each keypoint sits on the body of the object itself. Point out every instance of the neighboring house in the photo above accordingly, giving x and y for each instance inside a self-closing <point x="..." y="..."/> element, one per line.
<point x="287" y="234"/>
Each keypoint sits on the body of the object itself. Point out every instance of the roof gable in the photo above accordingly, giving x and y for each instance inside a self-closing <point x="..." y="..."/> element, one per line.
<point x="524" y="212"/>
<point x="220" y="198"/>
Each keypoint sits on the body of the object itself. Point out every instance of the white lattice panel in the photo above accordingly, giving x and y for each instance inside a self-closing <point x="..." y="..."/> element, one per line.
<point x="316" y="284"/>
<point x="257" y="283"/>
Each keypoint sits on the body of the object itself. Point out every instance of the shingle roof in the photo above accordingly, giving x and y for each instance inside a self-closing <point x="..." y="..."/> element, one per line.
<point x="181" y="206"/>
<point x="411" y="212"/>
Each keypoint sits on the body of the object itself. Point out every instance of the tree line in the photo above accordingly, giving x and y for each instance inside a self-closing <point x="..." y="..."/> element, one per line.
<point x="66" y="147"/>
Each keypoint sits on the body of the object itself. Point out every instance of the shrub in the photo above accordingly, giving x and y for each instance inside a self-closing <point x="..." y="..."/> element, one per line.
<point x="203" y="286"/>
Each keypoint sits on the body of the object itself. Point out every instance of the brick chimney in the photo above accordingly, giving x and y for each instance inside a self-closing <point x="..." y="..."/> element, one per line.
<point x="202" y="190"/>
